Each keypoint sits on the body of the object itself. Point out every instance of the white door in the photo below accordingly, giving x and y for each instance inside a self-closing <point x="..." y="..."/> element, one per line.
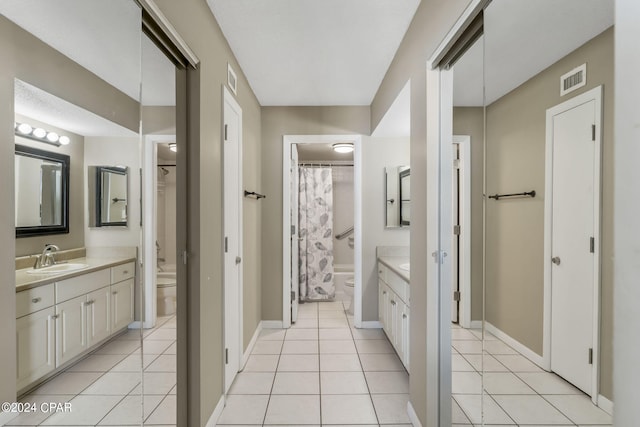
<point x="233" y="237"/>
<point x="70" y="329"/>
<point x="295" y="241"/>
<point x="572" y="249"/>
<point x="98" y="315"/>
<point x="455" y="247"/>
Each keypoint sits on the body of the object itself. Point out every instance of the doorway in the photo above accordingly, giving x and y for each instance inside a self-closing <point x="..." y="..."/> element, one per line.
<point x="289" y="242"/>
<point x="232" y="152"/>
<point x="572" y="285"/>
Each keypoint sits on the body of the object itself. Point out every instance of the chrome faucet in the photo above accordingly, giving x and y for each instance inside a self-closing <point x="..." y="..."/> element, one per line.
<point x="46" y="259"/>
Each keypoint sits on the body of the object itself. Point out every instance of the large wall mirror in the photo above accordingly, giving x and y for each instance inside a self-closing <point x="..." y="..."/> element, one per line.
<point x="42" y="192"/>
<point x="397" y="209"/>
<point x="108" y="194"/>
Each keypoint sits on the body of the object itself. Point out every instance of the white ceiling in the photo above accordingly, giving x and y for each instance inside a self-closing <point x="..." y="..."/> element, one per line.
<point x="321" y="152"/>
<point x="42" y="106"/>
<point x="521" y="39"/>
<point x="311" y="52"/>
<point x="104" y="37"/>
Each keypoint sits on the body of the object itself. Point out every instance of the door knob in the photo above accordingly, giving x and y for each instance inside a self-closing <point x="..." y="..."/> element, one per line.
<point x="556" y="260"/>
<point x="238" y="260"/>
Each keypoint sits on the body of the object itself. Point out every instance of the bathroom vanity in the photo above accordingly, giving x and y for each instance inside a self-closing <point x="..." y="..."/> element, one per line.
<point x="62" y="316"/>
<point x="393" y="302"/>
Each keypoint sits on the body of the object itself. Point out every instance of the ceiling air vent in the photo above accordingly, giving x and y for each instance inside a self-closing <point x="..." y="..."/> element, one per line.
<point x="573" y="80"/>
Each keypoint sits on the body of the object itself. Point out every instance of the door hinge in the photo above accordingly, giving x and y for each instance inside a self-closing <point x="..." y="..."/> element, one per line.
<point x="226" y="244"/>
<point x="456" y="230"/>
<point x="456" y="163"/>
<point x="590" y="356"/>
<point x="439" y="256"/>
<point x="592" y="244"/>
<point x="593" y="132"/>
<point x="185" y="255"/>
<point x="293" y="230"/>
<point x="456" y="295"/>
<point x="226" y="356"/>
<point x="293" y="296"/>
<point x="226" y="128"/>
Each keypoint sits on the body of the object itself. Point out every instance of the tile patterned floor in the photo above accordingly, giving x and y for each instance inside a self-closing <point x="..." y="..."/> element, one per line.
<point x="517" y="392"/>
<point x="105" y="389"/>
<point x="320" y="372"/>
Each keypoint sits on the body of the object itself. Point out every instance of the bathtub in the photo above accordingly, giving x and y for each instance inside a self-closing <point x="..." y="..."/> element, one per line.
<point x="341" y="272"/>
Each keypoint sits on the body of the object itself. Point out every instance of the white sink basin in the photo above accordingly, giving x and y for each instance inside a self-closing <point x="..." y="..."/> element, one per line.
<point x="59" y="268"/>
<point x="404" y="266"/>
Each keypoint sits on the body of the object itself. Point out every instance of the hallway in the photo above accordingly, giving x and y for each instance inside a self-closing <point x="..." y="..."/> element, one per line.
<point x="322" y="371"/>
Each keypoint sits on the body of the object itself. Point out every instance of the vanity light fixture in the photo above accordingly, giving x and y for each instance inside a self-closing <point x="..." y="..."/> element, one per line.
<point x="343" y="147"/>
<point x="25" y="130"/>
<point x="173" y="147"/>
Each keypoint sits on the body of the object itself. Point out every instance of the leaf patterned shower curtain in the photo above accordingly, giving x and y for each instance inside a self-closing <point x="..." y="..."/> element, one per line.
<point x="315" y="214"/>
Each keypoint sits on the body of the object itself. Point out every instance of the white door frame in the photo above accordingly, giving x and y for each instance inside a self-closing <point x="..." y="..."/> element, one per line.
<point x="464" y="146"/>
<point x="150" y="224"/>
<point x="229" y="98"/>
<point x="287" y="141"/>
<point x="591" y="95"/>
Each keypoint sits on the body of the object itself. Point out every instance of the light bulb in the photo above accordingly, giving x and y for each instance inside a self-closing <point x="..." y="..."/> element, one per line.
<point x="24" y="128"/>
<point x="39" y="133"/>
<point x="343" y="147"/>
<point x="64" y="140"/>
<point x="173" y="147"/>
<point x="53" y="137"/>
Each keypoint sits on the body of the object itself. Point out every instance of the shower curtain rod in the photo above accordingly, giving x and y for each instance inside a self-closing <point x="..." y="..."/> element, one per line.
<point x="167" y="166"/>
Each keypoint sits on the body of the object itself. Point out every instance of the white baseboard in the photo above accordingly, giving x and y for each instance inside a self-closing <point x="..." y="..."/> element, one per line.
<point x="476" y="324"/>
<point x="271" y="324"/>
<point x="213" y="420"/>
<point x="516" y="345"/>
<point x="252" y="343"/>
<point x="413" y="417"/>
<point x="371" y="324"/>
<point x="605" y="404"/>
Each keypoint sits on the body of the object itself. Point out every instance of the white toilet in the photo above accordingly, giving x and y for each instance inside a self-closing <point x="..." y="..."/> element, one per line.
<point x="166" y="295"/>
<point x="348" y="289"/>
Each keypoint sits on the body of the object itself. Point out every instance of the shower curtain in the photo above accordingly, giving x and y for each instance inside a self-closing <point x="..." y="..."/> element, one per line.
<point x="316" y="234"/>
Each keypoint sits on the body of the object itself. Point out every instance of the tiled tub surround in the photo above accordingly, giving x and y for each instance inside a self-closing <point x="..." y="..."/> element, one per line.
<point x="61" y="317"/>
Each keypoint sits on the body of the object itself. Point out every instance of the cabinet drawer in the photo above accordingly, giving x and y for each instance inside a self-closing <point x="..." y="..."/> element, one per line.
<point x="123" y="272"/>
<point x="382" y="272"/>
<point x="399" y="286"/>
<point x="76" y="286"/>
<point x="35" y="299"/>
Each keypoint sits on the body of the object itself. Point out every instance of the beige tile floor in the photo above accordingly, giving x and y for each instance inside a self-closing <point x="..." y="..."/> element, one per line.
<point x="105" y="389"/>
<point x="516" y="391"/>
<point x="322" y="371"/>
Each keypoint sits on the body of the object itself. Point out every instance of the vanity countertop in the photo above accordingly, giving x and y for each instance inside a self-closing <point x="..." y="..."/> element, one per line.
<point x="26" y="280"/>
<point x="394" y="262"/>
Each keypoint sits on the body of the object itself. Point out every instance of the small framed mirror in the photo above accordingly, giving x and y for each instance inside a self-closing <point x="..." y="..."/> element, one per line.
<point x="41" y="191"/>
<point x="405" y="197"/>
<point x="393" y="201"/>
<point x="108" y="195"/>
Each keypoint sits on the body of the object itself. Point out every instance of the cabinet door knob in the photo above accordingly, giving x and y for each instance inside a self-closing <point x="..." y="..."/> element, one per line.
<point x="404" y="316"/>
<point x="393" y="302"/>
<point x="125" y="272"/>
<point x="384" y="292"/>
<point x="115" y="292"/>
<point x="36" y="300"/>
<point x="55" y="316"/>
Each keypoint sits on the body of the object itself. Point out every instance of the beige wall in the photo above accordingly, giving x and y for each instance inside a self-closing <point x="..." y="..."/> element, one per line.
<point x="516" y="126"/>
<point x="470" y="121"/>
<point x="627" y="212"/>
<point x="377" y="154"/>
<point x="197" y="26"/>
<point x="432" y="21"/>
<point x="276" y="122"/>
<point x="75" y="150"/>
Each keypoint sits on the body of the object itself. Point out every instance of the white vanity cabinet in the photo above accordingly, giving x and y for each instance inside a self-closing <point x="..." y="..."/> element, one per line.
<point x="35" y="340"/>
<point x="58" y="322"/>
<point x="393" y="310"/>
